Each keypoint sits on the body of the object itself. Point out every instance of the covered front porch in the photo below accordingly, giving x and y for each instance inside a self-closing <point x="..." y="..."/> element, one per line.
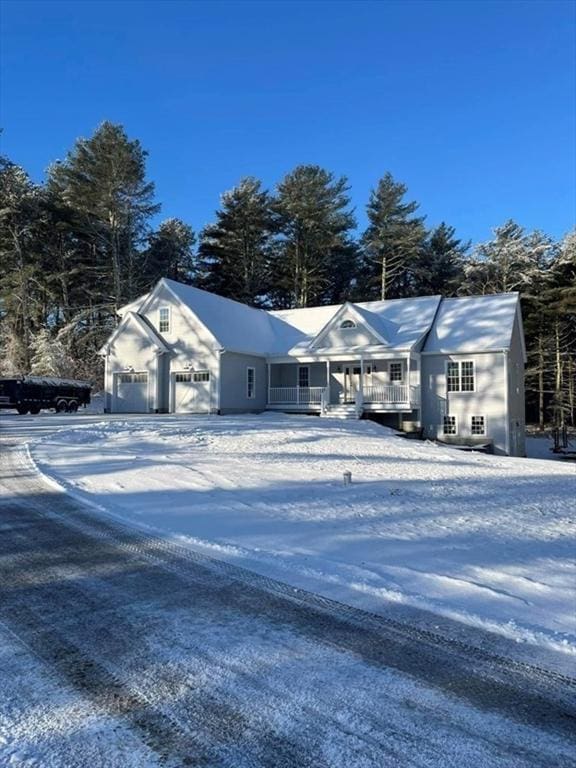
<point x="378" y="385"/>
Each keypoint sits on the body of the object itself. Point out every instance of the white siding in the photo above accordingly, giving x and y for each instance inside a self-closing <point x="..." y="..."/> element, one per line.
<point x="132" y="349"/>
<point x="192" y="345"/>
<point x="488" y="399"/>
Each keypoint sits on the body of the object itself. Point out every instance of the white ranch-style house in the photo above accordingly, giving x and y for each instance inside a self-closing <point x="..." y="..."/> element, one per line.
<point x="450" y="368"/>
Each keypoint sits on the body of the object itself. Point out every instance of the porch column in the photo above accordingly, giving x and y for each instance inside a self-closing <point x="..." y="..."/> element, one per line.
<point x="362" y="376"/>
<point x="269" y="367"/>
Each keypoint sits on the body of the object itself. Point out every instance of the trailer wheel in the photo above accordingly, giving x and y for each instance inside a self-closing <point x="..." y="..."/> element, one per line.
<point x="35" y="410"/>
<point x="60" y="406"/>
<point x="22" y="410"/>
<point x="72" y="406"/>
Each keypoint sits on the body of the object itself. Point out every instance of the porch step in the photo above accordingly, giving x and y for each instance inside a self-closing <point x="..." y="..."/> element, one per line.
<point x="347" y="411"/>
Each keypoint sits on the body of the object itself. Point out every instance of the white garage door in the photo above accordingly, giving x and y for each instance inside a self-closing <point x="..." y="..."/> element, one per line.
<point x="191" y="392"/>
<point x="131" y="393"/>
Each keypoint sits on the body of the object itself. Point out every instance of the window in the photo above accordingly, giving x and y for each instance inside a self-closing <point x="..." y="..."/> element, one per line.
<point x="250" y="383"/>
<point x="164" y="319"/>
<point x="396" y="374"/>
<point x="303" y="376"/>
<point x="133" y="378"/>
<point x="460" y="376"/>
<point x="196" y="377"/>
<point x="449" y="425"/>
<point x="478" y="425"/>
<point x="346" y="324"/>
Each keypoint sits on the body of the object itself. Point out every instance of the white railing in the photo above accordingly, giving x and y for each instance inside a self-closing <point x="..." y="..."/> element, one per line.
<point x="391" y="393"/>
<point x="295" y="395"/>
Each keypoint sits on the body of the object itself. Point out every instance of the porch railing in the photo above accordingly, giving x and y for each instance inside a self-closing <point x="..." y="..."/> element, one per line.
<point x="391" y="393"/>
<point x="295" y="395"/>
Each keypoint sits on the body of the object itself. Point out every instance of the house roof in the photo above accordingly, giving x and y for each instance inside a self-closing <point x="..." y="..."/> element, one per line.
<point x="400" y="322"/>
<point x="479" y="323"/>
<point x="474" y="323"/>
<point x="236" y="327"/>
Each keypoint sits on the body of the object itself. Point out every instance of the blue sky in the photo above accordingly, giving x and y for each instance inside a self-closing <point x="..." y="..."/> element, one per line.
<point x="471" y="104"/>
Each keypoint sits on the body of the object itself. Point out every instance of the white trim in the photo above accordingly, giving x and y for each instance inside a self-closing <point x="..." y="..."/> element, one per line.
<point x="507" y="402"/>
<point x="248" y="395"/>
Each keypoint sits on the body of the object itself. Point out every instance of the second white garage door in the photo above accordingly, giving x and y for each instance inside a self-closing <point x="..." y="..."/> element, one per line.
<point x="131" y="393"/>
<point x="191" y="392"/>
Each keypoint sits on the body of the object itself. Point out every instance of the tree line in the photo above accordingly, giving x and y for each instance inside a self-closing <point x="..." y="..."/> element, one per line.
<point x="80" y="245"/>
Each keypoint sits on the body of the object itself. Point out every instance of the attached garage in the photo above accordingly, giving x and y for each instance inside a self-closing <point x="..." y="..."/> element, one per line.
<point x="191" y="392"/>
<point x="131" y="393"/>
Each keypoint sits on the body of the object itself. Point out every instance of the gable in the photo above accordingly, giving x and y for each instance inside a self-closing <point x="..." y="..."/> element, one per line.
<point x="133" y="332"/>
<point x="186" y="330"/>
<point x="347" y="329"/>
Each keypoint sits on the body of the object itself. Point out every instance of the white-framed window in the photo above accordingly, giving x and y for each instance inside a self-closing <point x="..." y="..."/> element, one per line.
<point x="164" y="319"/>
<point x="347" y="324"/>
<point x="250" y="383"/>
<point x="478" y="425"/>
<point x="460" y="376"/>
<point x="194" y="376"/>
<point x="449" y="425"/>
<point x="396" y="373"/>
<point x="133" y="378"/>
<point x="303" y="376"/>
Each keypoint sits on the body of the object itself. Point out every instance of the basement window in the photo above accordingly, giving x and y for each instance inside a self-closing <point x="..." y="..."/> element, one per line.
<point x="478" y="425"/>
<point x="449" y="425"/>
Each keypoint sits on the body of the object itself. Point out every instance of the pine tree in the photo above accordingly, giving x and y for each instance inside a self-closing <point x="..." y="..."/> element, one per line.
<point x="392" y="241"/>
<point x="313" y="223"/>
<point x="170" y="252"/>
<point x="508" y="262"/>
<point x="103" y="180"/>
<point x="439" y="267"/>
<point x="235" y="251"/>
<point x="22" y="286"/>
<point x="562" y="296"/>
<point x="50" y="356"/>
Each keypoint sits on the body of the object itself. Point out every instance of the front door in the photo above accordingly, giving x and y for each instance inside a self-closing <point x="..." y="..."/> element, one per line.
<point x="351" y="383"/>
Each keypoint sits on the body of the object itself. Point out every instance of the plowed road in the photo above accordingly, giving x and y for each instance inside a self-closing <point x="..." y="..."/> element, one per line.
<point x="120" y="649"/>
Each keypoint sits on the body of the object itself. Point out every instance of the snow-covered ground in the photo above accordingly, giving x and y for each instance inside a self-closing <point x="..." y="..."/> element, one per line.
<point x="485" y="540"/>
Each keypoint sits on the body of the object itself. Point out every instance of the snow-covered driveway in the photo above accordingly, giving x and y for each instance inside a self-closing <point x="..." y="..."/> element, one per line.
<point x="486" y="540"/>
<point x="120" y="649"/>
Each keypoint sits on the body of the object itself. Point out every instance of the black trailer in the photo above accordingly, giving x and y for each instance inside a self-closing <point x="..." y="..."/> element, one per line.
<point x="29" y="394"/>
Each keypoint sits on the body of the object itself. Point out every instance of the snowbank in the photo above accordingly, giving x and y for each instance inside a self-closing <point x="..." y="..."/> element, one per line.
<point x="486" y="540"/>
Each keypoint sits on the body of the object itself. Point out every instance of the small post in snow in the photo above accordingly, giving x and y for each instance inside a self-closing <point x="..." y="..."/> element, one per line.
<point x="347" y="476"/>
